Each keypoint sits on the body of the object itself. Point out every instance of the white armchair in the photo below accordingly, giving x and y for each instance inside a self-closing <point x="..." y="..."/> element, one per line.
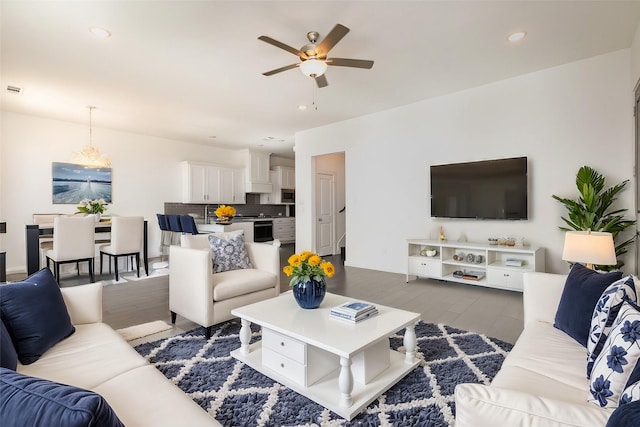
<point x="205" y="298"/>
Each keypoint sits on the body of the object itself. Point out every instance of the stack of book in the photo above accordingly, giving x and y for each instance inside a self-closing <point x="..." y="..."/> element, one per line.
<point x="354" y="311"/>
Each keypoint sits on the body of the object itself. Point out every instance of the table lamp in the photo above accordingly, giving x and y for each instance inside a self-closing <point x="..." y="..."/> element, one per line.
<point x="589" y="247"/>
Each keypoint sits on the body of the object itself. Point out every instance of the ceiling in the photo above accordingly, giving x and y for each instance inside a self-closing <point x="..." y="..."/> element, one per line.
<point x="191" y="70"/>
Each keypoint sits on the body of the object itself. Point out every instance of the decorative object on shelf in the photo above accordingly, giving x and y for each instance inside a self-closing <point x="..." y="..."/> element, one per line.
<point x="594" y="210"/>
<point x="459" y="256"/>
<point x="442" y="236"/>
<point x="493" y="241"/>
<point x="589" y="247"/>
<point x="308" y="271"/>
<point x="511" y="241"/>
<point x="463" y="238"/>
<point x="94" y="207"/>
<point x="479" y="259"/>
<point x="225" y="213"/>
<point x="429" y="251"/>
<point x="90" y="155"/>
<point x="471" y="258"/>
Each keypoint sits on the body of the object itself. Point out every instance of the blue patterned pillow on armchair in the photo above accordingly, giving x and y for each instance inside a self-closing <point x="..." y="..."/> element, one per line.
<point x="229" y="253"/>
<point x="605" y="313"/>
<point x="615" y="366"/>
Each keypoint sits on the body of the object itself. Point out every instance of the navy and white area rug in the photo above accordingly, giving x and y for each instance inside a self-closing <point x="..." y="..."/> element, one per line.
<point x="236" y="395"/>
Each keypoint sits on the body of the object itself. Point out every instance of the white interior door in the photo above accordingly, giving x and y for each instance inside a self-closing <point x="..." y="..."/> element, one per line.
<point x="325" y="236"/>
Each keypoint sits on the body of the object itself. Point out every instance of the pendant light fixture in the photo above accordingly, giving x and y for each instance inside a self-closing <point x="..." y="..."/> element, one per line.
<point x="90" y="155"/>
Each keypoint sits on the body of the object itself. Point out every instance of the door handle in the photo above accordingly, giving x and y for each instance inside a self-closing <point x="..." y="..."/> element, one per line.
<point x="319" y="219"/>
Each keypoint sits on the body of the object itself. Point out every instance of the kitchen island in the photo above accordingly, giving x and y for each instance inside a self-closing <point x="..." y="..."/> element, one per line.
<point x="247" y="227"/>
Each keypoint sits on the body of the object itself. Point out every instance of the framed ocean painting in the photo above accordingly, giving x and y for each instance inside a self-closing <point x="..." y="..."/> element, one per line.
<point x="73" y="183"/>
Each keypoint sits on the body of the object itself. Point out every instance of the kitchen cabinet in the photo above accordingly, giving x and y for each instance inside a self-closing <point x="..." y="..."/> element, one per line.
<point x="258" y="179"/>
<point x="284" y="229"/>
<point x="282" y="177"/>
<point x="494" y="266"/>
<point x="232" y="186"/>
<point x="209" y="183"/>
<point x="285" y="177"/>
<point x="201" y="183"/>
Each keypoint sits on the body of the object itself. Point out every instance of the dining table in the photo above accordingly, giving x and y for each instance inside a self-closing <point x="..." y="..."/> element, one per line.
<point x="34" y="231"/>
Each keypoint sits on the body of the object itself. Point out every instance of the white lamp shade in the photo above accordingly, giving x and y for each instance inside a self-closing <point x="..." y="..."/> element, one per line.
<point x="589" y="247"/>
<point x="313" y="67"/>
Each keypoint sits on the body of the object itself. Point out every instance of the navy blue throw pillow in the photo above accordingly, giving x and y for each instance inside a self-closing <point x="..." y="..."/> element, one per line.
<point x="8" y="355"/>
<point x="627" y="415"/>
<point x="581" y="292"/>
<point x="35" y="315"/>
<point x="36" y="402"/>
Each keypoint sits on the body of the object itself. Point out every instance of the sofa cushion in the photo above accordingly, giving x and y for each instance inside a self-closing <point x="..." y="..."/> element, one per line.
<point x="605" y="313"/>
<point x="582" y="290"/>
<point x="229" y="253"/>
<point x="233" y="283"/>
<point x="8" y="355"/>
<point x="144" y="397"/>
<point x="35" y="315"/>
<point x="614" y="365"/>
<point x="92" y="355"/>
<point x="32" y="402"/>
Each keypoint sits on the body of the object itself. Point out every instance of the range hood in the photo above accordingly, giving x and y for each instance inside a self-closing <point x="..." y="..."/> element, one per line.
<point x="257" y="163"/>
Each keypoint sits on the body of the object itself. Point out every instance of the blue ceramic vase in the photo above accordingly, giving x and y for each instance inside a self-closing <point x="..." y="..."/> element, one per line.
<point x="310" y="294"/>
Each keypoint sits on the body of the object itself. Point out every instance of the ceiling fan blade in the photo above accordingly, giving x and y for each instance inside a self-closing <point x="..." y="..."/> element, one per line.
<point x="279" y="70"/>
<point x="334" y="36"/>
<point x="281" y="45"/>
<point x="321" y="81"/>
<point x="345" y="62"/>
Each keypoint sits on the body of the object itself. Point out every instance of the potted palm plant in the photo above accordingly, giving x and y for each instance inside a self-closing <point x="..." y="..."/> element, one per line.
<point x="594" y="210"/>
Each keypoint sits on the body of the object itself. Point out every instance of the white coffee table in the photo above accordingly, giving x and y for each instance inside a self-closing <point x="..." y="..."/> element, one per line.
<point x="341" y="366"/>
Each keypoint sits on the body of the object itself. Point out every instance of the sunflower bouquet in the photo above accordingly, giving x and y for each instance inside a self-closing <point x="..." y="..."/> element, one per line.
<point x="307" y="266"/>
<point x="225" y="213"/>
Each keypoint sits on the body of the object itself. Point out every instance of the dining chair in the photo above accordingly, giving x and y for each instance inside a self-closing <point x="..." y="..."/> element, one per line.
<point x="164" y="231"/>
<point x="73" y="242"/>
<point x="46" y="240"/>
<point x="188" y="224"/>
<point x="174" y="226"/>
<point x="126" y="241"/>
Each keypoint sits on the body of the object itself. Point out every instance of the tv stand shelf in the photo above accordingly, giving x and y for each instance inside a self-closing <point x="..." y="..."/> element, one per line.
<point x="481" y="264"/>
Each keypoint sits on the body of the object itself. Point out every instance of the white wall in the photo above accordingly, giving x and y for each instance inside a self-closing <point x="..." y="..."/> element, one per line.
<point x="560" y="118"/>
<point x="146" y="173"/>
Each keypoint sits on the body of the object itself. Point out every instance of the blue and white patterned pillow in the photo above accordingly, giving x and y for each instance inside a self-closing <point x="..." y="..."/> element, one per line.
<point x="605" y="313"/>
<point x="617" y="361"/>
<point x="229" y="253"/>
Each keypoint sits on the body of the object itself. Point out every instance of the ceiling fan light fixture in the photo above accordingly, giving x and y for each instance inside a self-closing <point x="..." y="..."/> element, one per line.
<point x="313" y="67"/>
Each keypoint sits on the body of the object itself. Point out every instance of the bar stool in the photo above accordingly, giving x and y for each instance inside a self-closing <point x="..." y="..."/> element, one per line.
<point x="174" y="226"/>
<point x="188" y="224"/>
<point x="164" y="230"/>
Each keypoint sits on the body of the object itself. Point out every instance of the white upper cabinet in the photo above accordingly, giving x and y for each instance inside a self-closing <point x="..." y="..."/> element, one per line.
<point x="201" y="183"/>
<point x="208" y="183"/>
<point x="258" y="172"/>
<point x="287" y="177"/>
<point x="232" y="186"/>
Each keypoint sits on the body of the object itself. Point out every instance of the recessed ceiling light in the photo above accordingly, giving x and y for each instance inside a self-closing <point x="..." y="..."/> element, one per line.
<point x="100" y="32"/>
<point x="516" y="36"/>
<point x="302" y="107"/>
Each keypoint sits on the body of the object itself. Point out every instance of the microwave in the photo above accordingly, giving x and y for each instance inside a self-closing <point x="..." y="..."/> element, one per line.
<point x="288" y="196"/>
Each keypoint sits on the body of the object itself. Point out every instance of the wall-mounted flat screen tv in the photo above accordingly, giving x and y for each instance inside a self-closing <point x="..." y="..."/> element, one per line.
<point x="489" y="189"/>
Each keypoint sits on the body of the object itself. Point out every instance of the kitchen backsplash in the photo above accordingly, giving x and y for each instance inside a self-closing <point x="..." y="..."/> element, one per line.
<point x="252" y="208"/>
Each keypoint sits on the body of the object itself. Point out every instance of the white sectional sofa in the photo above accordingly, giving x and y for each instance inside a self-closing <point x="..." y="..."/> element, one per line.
<point x="97" y="358"/>
<point x="542" y="381"/>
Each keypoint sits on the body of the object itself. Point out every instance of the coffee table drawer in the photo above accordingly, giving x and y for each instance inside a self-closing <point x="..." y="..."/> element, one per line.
<point x="287" y="346"/>
<point x="284" y="366"/>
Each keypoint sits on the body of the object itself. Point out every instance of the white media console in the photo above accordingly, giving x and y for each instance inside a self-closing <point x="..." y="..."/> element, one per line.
<point x="480" y="264"/>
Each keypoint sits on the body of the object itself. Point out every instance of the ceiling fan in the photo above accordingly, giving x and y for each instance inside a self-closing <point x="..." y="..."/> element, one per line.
<point x="313" y="56"/>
